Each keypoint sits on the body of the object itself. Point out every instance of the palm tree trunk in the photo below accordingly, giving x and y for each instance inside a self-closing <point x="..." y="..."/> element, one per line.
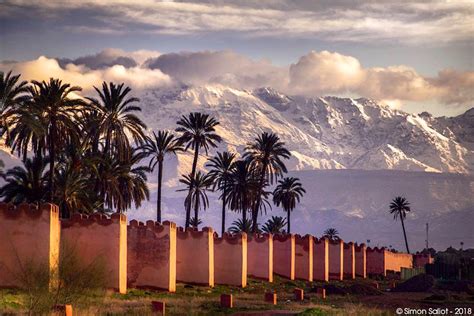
<point x="196" y="211"/>
<point x="288" y="221"/>
<point x="404" y="234"/>
<point x="158" y="198"/>
<point x="52" y="157"/>
<point x="258" y="201"/>
<point x="193" y="173"/>
<point x="224" y="195"/>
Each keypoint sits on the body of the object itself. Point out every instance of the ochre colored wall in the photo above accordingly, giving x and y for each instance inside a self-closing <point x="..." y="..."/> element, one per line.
<point x="260" y="256"/>
<point x="376" y="261"/>
<point x="284" y="255"/>
<point x="195" y="256"/>
<point x="420" y="260"/>
<point x="230" y="259"/>
<point x="151" y="255"/>
<point x="98" y="237"/>
<point x="336" y="260"/>
<point x="304" y="257"/>
<point x="349" y="261"/>
<point x="28" y="236"/>
<point x="360" y="261"/>
<point x="396" y="261"/>
<point x="321" y="259"/>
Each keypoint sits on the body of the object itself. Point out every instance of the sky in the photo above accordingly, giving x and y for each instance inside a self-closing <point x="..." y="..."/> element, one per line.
<point x="417" y="56"/>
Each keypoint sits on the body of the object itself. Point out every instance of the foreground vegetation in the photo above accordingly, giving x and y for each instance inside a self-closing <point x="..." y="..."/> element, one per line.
<point x="198" y="300"/>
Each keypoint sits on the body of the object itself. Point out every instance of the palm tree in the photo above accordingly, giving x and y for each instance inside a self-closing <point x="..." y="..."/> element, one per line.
<point x="197" y="188"/>
<point x="117" y="119"/>
<point x="275" y="225"/>
<point x="241" y="226"/>
<point x="241" y="187"/>
<point x="12" y="93"/>
<point x="52" y="104"/>
<point x="288" y="192"/>
<point x="221" y="167"/>
<point x="266" y="153"/>
<point x="158" y="146"/>
<point x="331" y="234"/>
<point x="399" y="208"/>
<point x="197" y="131"/>
<point x="122" y="183"/>
<point x="195" y="222"/>
<point x="27" y="184"/>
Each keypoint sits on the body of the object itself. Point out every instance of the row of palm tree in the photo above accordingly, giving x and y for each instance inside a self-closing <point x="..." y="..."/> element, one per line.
<point x="88" y="154"/>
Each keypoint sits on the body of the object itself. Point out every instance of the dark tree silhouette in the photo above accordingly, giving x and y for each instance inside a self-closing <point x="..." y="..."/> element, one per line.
<point x="197" y="188"/>
<point x="242" y="187"/>
<point x="117" y="118"/>
<point x="27" y="184"/>
<point x="197" y="131"/>
<point x="221" y="167"/>
<point x="275" y="225"/>
<point x="331" y="234"/>
<point x="158" y="146"/>
<point x="266" y="154"/>
<point x="287" y="193"/>
<point x="241" y="226"/>
<point x="399" y="208"/>
<point x="13" y="93"/>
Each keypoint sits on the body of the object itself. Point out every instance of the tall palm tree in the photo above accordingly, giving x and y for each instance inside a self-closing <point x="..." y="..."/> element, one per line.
<point x="12" y="93"/>
<point x="197" y="188"/>
<point x="331" y="234"/>
<point x="221" y="167"/>
<point x="241" y="187"/>
<point x="197" y="131"/>
<point x="241" y="226"/>
<point x="287" y="193"/>
<point x="275" y="225"/>
<point x="266" y="153"/>
<point x="26" y="184"/>
<point x="53" y="104"/>
<point x="399" y="208"/>
<point x="118" y="119"/>
<point x="157" y="147"/>
<point x="122" y="183"/>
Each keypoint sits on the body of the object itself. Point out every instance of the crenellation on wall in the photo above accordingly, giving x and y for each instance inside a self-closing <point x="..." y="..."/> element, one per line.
<point x="336" y="259"/>
<point x="230" y="259"/>
<point x="151" y="255"/>
<point x="304" y="257"/>
<point x="321" y="259"/>
<point x="79" y="233"/>
<point x="284" y="255"/>
<point x="260" y="256"/>
<point x="195" y="256"/>
<point x="29" y="236"/>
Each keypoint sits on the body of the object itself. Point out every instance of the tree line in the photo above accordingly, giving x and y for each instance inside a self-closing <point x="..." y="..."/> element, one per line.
<point x="87" y="154"/>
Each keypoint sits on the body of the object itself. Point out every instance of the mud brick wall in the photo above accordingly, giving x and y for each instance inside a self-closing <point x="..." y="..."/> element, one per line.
<point x="336" y="259"/>
<point x="151" y="253"/>
<point x="99" y="238"/>
<point x="29" y="238"/>
<point x="260" y="256"/>
<point x="230" y="259"/>
<point x="284" y="255"/>
<point x="360" y="260"/>
<point x="304" y="257"/>
<point x="321" y="259"/>
<point x="195" y="256"/>
<point x="349" y="261"/>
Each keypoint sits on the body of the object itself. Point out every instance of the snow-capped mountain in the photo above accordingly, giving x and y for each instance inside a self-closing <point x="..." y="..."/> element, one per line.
<point x="326" y="132"/>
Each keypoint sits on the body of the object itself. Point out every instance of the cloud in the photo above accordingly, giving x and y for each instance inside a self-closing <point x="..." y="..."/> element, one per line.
<point x="326" y="72"/>
<point x="225" y="67"/>
<point x="110" y="57"/>
<point x="352" y="21"/>
<point x="314" y="74"/>
<point x="44" y="68"/>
